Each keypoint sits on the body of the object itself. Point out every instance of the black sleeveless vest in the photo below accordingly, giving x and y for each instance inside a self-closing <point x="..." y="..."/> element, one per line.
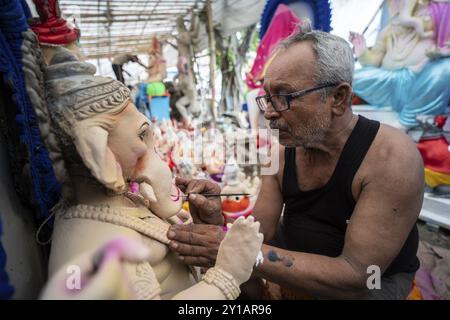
<point x="315" y="221"/>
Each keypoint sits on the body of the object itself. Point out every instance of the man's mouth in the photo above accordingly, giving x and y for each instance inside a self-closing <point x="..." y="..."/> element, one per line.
<point x="281" y="131"/>
<point x="274" y="126"/>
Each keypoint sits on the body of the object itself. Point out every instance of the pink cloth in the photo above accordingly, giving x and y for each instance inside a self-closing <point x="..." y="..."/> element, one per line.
<point x="433" y="277"/>
<point x="283" y="24"/>
<point x="440" y="11"/>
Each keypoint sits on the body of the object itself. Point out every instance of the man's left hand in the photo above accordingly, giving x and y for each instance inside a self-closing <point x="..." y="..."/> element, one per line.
<point x="196" y="244"/>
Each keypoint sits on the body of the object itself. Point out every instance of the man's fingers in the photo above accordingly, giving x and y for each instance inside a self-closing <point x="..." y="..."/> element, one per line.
<point x="200" y="229"/>
<point x="207" y="204"/>
<point x="202" y="186"/>
<point x="197" y="261"/>
<point x="182" y="183"/>
<point x="188" y="250"/>
<point x="197" y="186"/>
<point x="198" y="200"/>
<point x="187" y="234"/>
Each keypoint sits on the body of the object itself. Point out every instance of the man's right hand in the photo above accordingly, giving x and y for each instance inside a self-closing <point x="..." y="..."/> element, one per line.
<point x="203" y="210"/>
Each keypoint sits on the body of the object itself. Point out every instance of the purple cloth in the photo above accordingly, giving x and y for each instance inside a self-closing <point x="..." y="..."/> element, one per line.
<point x="440" y="11"/>
<point x="217" y="177"/>
<point x="433" y="277"/>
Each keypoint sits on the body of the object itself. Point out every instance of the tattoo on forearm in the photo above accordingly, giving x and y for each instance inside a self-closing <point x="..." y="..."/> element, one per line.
<point x="274" y="257"/>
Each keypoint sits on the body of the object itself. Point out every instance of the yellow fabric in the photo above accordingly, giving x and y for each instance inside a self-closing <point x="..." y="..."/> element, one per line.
<point x="261" y="76"/>
<point x="415" y="293"/>
<point x="433" y="178"/>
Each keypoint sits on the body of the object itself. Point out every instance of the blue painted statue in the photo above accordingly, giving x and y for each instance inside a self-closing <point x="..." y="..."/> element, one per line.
<point x="408" y="68"/>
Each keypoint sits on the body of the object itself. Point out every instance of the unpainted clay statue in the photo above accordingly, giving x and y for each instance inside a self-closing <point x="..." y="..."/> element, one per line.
<point x="156" y="63"/>
<point x="116" y="185"/>
<point x="187" y="40"/>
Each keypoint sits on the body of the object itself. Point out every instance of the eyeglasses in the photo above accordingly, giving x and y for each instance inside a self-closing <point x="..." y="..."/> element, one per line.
<point x="282" y="102"/>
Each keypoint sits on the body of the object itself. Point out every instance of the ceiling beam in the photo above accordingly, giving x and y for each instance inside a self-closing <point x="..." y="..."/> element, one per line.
<point x="132" y="13"/>
<point x="113" y="52"/>
<point x="94" y="39"/>
<point x="127" y="2"/>
<point x="125" y="19"/>
<point x="86" y="5"/>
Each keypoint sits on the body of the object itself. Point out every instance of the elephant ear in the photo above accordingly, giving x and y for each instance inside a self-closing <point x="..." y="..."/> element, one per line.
<point x="91" y="142"/>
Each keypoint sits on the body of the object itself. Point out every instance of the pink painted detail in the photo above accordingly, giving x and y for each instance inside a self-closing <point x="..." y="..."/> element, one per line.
<point x="176" y="197"/>
<point x="440" y="12"/>
<point x="283" y="24"/>
<point x="134" y="187"/>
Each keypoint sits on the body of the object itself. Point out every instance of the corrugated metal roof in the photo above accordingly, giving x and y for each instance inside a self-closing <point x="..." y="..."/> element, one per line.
<point x="110" y="27"/>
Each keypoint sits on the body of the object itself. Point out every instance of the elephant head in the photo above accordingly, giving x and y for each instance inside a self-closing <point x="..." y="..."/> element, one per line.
<point x="94" y="117"/>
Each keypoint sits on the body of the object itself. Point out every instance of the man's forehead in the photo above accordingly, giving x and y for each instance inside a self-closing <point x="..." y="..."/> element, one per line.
<point x="292" y="64"/>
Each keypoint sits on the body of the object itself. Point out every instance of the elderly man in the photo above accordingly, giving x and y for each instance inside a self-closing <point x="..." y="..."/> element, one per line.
<point x="352" y="188"/>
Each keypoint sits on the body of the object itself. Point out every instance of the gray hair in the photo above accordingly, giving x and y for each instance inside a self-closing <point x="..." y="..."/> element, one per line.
<point x="334" y="57"/>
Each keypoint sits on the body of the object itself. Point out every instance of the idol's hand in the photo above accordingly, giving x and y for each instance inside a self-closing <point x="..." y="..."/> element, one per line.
<point x="359" y="43"/>
<point x="239" y="249"/>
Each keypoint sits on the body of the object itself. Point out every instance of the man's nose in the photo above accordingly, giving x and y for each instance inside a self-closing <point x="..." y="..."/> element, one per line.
<point x="271" y="113"/>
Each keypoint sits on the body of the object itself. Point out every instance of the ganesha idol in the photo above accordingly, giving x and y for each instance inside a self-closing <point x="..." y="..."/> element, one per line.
<point x="116" y="186"/>
<point x="408" y="68"/>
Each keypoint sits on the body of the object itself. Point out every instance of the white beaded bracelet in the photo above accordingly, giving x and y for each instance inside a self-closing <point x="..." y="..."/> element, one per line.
<point x="224" y="281"/>
<point x="259" y="258"/>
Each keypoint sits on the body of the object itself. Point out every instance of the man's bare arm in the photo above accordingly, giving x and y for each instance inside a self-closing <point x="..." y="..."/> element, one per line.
<point x="268" y="206"/>
<point x="386" y="211"/>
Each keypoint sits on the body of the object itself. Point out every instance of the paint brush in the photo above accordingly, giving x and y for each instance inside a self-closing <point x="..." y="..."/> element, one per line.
<point x="208" y="195"/>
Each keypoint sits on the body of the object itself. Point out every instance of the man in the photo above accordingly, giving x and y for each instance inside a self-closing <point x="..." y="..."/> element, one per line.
<point x="352" y="188"/>
<point x="120" y="60"/>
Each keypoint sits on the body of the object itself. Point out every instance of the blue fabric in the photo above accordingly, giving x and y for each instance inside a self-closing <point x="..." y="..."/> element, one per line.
<point x="408" y="93"/>
<point x="384" y="16"/>
<point x="160" y="108"/>
<point x="6" y="290"/>
<point x="25" y="8"/>
<point x="141" y="100"/>
<point x="321" y="9"/>
<point x="45" y="188"/>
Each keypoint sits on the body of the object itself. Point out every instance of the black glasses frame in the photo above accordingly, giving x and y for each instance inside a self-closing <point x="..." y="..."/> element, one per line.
<point x="288" y="97"/>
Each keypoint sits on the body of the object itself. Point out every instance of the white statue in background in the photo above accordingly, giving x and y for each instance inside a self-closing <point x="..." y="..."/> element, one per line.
<point x="187" y="40"/>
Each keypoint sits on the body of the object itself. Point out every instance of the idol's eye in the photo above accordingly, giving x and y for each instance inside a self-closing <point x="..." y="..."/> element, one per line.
<point x="142" y="135"/>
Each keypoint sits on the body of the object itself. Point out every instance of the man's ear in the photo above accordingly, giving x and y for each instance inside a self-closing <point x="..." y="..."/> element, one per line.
<point x="91" y="142"/>
<point x="342" y="95"/>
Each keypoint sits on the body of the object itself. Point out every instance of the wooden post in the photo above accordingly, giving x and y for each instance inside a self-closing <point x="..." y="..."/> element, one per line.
<point x="212" y="61"/>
